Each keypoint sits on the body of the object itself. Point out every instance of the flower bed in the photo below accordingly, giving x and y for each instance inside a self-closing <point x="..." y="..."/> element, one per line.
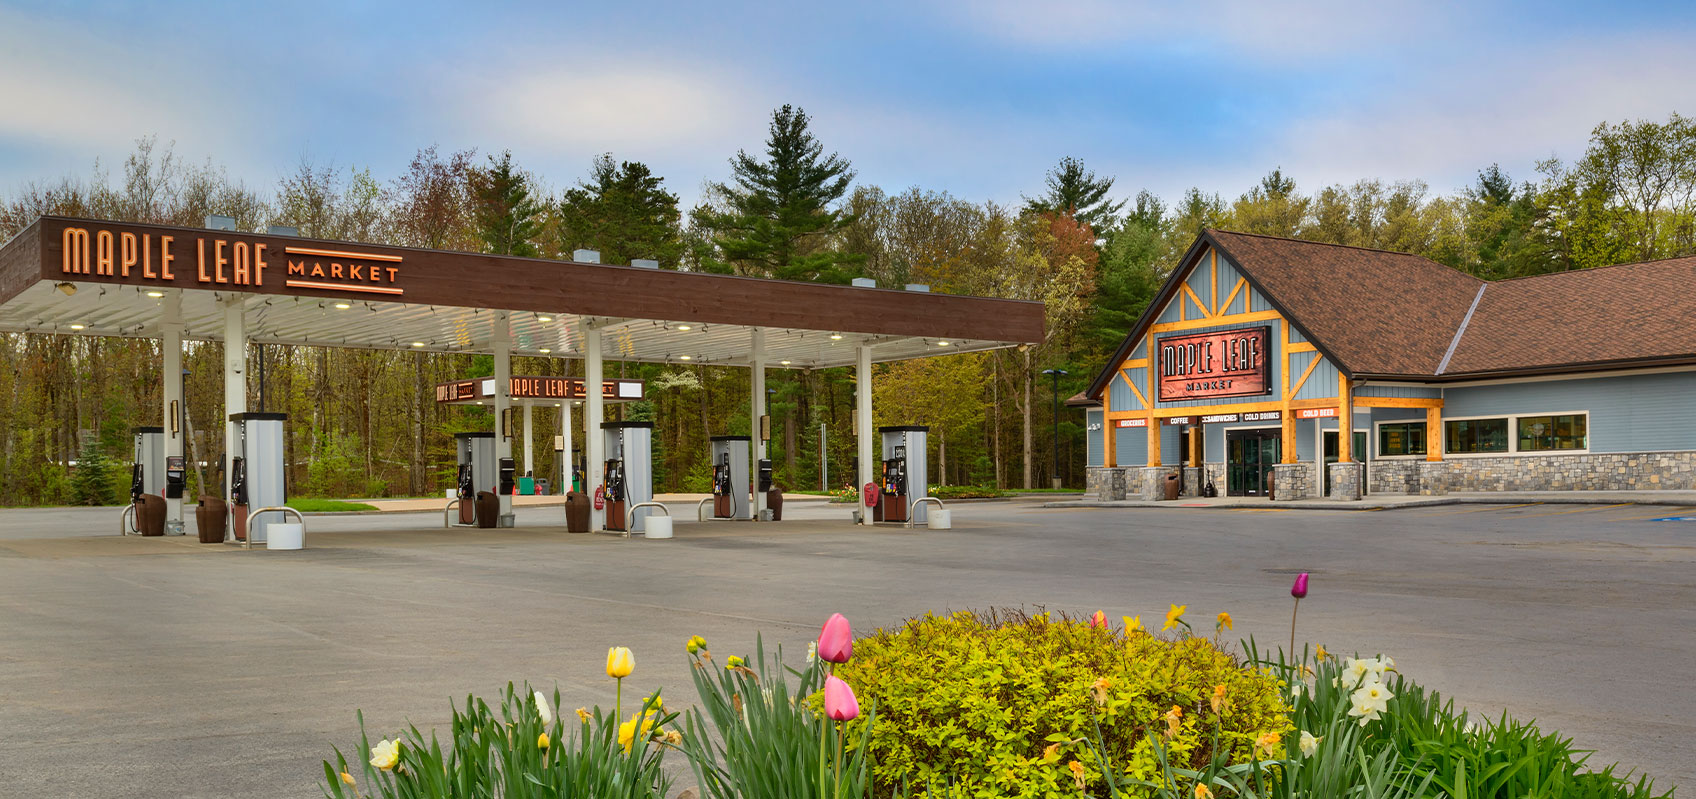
<point x="993" y="705"/>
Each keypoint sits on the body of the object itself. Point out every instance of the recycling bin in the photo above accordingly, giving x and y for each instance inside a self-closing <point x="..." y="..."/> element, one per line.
<point x="577" y="512"/>
<point x="209" y="519"/>
<point x="488" y="508"/>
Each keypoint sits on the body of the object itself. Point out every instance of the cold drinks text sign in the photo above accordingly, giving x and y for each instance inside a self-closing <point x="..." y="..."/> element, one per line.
<point x="219" y="259"/>
<point x="1222" y="363"/>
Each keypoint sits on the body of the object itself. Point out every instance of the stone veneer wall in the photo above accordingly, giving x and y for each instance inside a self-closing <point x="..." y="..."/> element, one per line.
<point x="1096" y="480"/>
<point x="1397" y="476"/>
<point x="1632" y="471"/>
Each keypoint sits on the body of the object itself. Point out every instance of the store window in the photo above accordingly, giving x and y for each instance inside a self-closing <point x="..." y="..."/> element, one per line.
<point x="1401" y="438"/>
<point x="1544" y="433"/>
<point x="1475" y="436"/>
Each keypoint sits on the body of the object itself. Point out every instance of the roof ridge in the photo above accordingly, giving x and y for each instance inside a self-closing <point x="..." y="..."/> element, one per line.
<point x="1330" y="244"/>
<point x="1461" y="331"/>
<point x="1596" y="268"/>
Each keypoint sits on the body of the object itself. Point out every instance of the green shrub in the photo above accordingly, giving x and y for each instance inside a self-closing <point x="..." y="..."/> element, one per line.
<point x="1001" y="704"/>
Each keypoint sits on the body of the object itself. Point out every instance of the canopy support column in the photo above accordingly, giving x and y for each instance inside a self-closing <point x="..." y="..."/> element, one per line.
<point x="863" y="423"/>
<point x="529" y="443"/>
<point x="594" y="447"/>
<point x="757" y="412"/>
<point x="565" y="445"/>
<point x="171" y="407"/>
<point x="235" y="378"/>
<point x="501" y="338"/>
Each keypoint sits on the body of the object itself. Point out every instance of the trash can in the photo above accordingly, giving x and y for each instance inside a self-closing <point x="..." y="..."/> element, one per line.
<point x="1172" y="486"/>
<point x="150" y="514"/>
<point x="774" y="501"/>
<point x="488" y="508"/>
<point x="543" y="486"/>
<point x="209" y="519"/>
<point x="577" y="512"/>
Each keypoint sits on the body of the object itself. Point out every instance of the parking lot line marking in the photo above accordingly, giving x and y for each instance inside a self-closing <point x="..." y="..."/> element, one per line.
<point x="1579" y="510"/>
<point x="1482" y="510"/>
<point x="1659" y="514"/>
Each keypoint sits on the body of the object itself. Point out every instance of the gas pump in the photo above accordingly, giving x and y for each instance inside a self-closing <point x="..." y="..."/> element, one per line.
<point x="256" y="472"/>
<point x="903" y="479"/>
<point x="508" y="487"/>
<point x="629" y="475"/>
<point x="730" y="477"/>
<point x="476" y="471"/>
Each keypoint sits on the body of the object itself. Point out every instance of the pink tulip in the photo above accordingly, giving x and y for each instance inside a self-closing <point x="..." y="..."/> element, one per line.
<point x="1098" y="620"/>
<point x="1299" y="590"/>
<point x="836" y="640"/>
<point x="839" y="701"/>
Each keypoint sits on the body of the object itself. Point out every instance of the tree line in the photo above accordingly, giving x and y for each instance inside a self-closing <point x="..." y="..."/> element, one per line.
<point x="365" y="423"/>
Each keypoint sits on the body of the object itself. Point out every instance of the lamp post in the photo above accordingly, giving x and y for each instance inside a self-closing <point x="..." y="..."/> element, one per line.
<point x="1056" y="373"/>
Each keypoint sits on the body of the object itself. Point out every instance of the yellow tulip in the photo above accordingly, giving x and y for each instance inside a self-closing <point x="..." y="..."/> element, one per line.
<point x="1175" y="616"/>
<point x="620" y="662"/>
<point x="542" y="741"/>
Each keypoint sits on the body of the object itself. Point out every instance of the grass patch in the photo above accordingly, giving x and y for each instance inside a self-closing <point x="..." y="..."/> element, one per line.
<point x="316" y="505"/>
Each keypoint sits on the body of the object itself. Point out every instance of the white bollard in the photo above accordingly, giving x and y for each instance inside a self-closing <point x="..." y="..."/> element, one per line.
<point x="657" y="527"/>
<point x="939" y="519"/>
<point x="285" y="536"/>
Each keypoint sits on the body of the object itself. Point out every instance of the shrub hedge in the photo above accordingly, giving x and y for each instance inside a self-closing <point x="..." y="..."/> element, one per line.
<point x="1001" y="704"/>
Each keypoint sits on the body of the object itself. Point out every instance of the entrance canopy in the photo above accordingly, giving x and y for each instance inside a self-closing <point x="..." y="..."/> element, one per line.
<point x="64" y="275"/>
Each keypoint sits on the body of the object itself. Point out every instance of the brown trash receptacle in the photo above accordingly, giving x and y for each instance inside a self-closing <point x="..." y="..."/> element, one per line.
<point x="577" y="512"/>
<point x="1172" y="486"/>
<point x="488" y="508"/>
<point x="774" y="501"/>
<point x="150" y="514"/>
<point x="467" y="511"/>
<point x="209" y="520"/>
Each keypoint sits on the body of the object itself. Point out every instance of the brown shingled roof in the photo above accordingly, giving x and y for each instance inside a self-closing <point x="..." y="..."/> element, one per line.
<point x="1386" y="314"/>
<point x="1611" y="314"/>
<point x="1375" y="312"/>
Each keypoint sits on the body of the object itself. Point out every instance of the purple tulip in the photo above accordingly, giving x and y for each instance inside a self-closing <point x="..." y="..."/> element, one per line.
<point x="839" y="701"/>
<point x="1299" y="590"/>
<point x="836" y="640"/>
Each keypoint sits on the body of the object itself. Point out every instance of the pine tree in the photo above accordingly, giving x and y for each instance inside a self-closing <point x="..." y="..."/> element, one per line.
<point x="776" y="218"/>
<point x="624" y="211"/>
<point x="1075" y="190"/>
<point x="505" y="214"/>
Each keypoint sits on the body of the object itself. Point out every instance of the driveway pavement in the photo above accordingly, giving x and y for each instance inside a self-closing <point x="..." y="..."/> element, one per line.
<point x="135" y="667"/>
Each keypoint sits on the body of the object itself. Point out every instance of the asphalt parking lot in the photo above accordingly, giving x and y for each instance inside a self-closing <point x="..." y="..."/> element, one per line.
<point x="135" y="667"/>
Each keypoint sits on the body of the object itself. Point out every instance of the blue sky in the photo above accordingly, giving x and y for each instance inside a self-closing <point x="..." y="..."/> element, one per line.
<point x="975" y="98"/>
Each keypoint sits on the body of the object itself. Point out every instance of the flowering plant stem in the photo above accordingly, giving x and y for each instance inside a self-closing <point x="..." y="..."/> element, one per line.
<point x="1293" y="626"/>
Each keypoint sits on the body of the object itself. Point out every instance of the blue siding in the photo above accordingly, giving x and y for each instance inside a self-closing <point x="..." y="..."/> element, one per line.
<point x="1093" y="438"/>
<point x="1398" y="391"/>
<point x="1322" y="384"/>
<point x="1119" y="396"/>
<point x="1131" y="448"/>
<point x="1170" y="313"/>
<point x="1258" y="302"/>
<point x="1640" y="413"/>
<point x="1228" y="277"/>
<point x="1296" y="337"/>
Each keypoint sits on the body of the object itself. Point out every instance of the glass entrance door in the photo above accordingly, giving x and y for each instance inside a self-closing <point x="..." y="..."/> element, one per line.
<point x="1249" y="457"/>
<point x="1358" y="453"/>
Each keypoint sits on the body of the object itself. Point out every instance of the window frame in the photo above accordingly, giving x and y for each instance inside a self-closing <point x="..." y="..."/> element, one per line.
<point x="1513" y="450"/>
<point x="1378" y="440"/>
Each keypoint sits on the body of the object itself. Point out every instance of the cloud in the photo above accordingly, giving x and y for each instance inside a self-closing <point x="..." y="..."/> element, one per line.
<point x="1513" y="108"/>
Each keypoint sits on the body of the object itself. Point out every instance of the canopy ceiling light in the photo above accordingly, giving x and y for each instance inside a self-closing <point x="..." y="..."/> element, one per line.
<point x="68" y="288"/>
<point x="156" y="294"/>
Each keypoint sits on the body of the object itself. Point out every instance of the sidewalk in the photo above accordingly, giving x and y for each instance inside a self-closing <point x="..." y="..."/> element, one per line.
<point x="1393" y="501"/>
<point x="525" y="501"/>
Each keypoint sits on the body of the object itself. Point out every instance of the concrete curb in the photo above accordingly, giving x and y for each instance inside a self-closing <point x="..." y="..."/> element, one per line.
<point x="1575" y="498"/>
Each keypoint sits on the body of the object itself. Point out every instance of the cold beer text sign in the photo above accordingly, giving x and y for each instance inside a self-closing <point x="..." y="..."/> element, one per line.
<point x="1222" y="363"/>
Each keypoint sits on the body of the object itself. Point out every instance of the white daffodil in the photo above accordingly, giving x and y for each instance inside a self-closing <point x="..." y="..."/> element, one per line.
<point x="1374" y="695"/>
<point x="1296" y="688"/>
<point x="1364" y="712"/>
<point x="1309" y="743"/>
<point x="543" y="710"/>
<point x="385" y="754"/>
<point x="812" y="652"/>
<point x="1359" y="670"/>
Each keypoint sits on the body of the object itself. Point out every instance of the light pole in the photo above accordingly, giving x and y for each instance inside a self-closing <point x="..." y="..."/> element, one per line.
<point x="1055" y="479"/>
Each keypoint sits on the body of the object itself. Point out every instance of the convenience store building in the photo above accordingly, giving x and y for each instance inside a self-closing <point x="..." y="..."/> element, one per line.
<point x="1300" y="369"/>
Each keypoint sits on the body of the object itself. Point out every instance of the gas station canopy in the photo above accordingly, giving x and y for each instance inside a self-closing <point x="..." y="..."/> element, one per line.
<point x="63" y="275"/>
